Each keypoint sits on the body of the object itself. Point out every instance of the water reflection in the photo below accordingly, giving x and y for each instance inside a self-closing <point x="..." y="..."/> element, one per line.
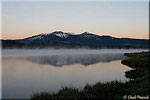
<point x="24" y="75"/>
<point x="84" y="59"/>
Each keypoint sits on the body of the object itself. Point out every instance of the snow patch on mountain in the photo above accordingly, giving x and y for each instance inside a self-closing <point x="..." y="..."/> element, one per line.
<point x="64" y="35"/>
<point x="61" y="34"/>
<point x="87" y="34"/>
<point x="36" y="37"/>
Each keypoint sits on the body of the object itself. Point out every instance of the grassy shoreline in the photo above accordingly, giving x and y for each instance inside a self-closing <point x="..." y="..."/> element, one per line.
<point x="138" y="85"/>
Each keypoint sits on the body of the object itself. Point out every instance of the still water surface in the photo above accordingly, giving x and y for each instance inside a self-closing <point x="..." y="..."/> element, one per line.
<point x="25" y="72"/>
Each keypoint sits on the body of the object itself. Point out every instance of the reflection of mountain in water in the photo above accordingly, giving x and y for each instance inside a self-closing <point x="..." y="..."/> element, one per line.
<point x="84" y="59"/>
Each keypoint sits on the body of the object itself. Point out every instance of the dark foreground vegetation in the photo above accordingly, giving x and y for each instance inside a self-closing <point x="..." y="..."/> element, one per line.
<point x="138" y="85"/>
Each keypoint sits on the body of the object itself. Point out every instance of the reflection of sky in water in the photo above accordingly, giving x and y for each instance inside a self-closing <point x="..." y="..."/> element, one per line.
<point x="24" y="75"/>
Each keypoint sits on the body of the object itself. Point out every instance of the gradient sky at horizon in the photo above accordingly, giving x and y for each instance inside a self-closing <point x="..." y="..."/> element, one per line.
<point x="118" y="19"/>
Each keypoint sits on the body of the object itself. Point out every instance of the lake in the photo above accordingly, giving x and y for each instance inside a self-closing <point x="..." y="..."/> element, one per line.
<point x="25" y="72"/>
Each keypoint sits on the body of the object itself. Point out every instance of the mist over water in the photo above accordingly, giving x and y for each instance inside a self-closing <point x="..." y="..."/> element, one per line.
<point x="28" y="71"/>
<point x="27" y="52"/>
<point x="83" y="59"/>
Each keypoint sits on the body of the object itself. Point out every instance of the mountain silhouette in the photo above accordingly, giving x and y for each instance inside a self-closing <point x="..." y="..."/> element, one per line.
<point x="59" y="39"/>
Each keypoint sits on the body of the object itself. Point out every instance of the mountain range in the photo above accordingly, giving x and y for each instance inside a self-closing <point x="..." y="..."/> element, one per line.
<point x="59" y="39"/>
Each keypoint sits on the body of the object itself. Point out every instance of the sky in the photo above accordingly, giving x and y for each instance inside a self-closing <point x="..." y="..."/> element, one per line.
<point x="128" y="19"/>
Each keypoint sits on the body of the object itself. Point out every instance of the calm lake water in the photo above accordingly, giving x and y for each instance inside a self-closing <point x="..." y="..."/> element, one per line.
<point x="25" y="72"/>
